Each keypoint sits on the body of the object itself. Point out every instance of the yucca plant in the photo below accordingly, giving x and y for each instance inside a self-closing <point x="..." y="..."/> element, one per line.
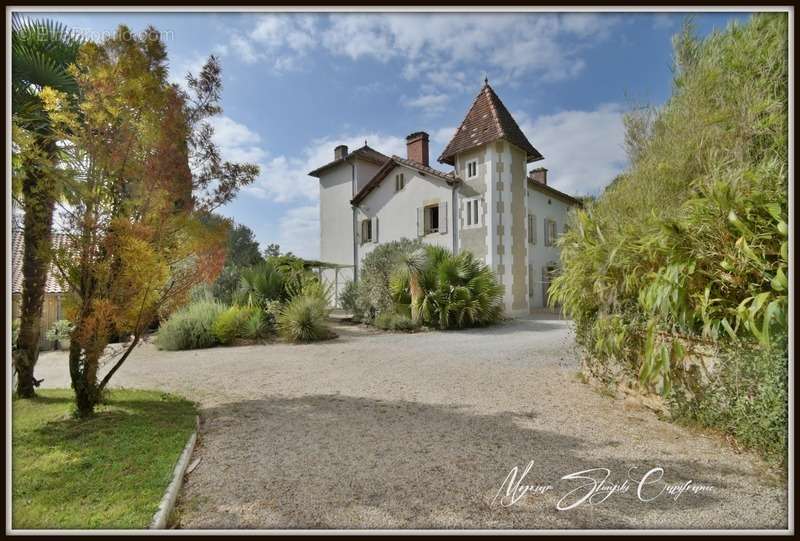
<point x="304" y="319"/>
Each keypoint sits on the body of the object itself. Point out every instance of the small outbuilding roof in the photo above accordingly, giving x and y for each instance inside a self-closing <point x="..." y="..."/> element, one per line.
<point x="17" y="250"/>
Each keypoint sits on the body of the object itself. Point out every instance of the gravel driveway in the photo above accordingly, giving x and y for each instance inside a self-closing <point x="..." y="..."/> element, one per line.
<point x="379" y="430"/>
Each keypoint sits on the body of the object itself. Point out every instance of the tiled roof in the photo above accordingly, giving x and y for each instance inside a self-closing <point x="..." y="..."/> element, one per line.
<point x="487" y="120"/>
<point x="549" y="190"/>
<point x="365" y="153"/>
<point x="17" y="248"/>
<point x="391" y="163"/>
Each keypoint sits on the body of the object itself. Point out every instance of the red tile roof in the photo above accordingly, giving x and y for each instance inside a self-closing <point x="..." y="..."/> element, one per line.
<point x="390" y="164"/>
<point x="17" y="248"/>
<point x="487" y="120"/>
<point x="365" y="153"/>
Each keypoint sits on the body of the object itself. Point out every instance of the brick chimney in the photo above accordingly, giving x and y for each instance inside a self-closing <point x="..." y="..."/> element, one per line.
<point x="340" y="152"/>
<point x="417" y="147"/>
<point x="539" y="175"/>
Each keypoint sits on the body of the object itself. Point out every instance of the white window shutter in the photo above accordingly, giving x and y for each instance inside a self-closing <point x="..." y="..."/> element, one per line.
<point x="375" y="229"/>
<point x="443" y="217"/>
<point x="420" y="222"/>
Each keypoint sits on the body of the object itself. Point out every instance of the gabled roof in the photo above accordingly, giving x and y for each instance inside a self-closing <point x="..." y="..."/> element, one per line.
<point x="549" y="190"/>
<point x="487" y="120"/>
<point x="17" y="248"/>
<point x="393" y="162"/>
<point x="365" y="153"/>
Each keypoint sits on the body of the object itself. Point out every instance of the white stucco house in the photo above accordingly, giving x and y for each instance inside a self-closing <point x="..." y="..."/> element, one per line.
<point x="487" y="203"/>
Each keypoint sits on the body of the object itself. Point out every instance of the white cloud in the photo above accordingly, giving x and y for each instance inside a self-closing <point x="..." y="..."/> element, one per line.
<point x="245" y="50"/>
<point x="442" y="136"/>
<point x="430" y="103"/>
<point x="450" y="51"/>
<point x="282" y="40"/>
<point x="237" y="142"/>
<point x="583" y="150"/>
<point x="434" y="46"/>
<point x="285" y="179"/>
<point x="664" y="21"/>
<point x="183" y="66"/>
<point x="298" y="231"/>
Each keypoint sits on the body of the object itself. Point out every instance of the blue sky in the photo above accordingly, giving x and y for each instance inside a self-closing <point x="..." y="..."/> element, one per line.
<point x="297" y="85"/>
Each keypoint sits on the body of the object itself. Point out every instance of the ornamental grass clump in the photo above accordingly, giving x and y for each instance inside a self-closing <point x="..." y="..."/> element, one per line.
<point x="233" y="323"/>
<point x="190" y="327"/>
<point x="304" y="319"/>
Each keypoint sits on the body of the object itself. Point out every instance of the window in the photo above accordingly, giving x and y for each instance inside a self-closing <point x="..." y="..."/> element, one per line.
<point x="550" y="232"/>
<point x="399" y="182"/>
<point x="472" y="169"/>
<point x="472" y="217"/>
<point x="531" y="229"/>
<point x="366" y="231"/>
<point x="432" y="219"/>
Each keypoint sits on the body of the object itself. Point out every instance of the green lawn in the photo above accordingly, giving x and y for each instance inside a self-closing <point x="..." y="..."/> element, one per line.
<point x="106" y="472"/>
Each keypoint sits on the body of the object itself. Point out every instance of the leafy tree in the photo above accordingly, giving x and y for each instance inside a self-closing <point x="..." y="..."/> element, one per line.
<point x="688" y="248"/>
<point x="143" y="170"/>
<point x="272" y="250"/>
<point x="243" y="249"/>
<point x="42" y="51"/>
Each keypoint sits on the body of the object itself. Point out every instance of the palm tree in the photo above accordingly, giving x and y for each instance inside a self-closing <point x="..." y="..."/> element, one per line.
<point x="411" y="267"/>
<point x="447" y="290"/>
<point x="42" y="51"/>
<point x="261" y="283"/>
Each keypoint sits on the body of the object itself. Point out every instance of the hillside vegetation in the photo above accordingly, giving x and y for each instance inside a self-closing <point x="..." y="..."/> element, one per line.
<point x="677" y="276"/>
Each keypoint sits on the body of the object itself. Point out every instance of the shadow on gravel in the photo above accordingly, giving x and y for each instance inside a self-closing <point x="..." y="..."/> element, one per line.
<point x="330" y="461"/>
<point x="516" y="326"/>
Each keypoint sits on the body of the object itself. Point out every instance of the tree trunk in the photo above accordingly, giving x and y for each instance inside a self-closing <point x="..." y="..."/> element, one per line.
<point x="38" y="191"/>
<point x="85" y="395"/>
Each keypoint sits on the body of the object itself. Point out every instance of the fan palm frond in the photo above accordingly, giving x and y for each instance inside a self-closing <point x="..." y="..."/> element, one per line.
<point x="42" y="52"/>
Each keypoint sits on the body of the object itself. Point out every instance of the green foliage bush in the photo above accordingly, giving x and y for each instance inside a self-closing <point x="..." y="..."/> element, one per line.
<point x="394" y="322"/>
<point x="260" y="284"/>
<point x="227" y="284"/>
<point x="349" y="297"/>
<point x="373" y="294"/>
<point x="256" y="326"/>
<point x="60" y="330"/>
<point x="692" y="240"/>
<point x="233" y="323"/>
<point x="190" y="327"/>
<point x="304" y="319"/>
<point x="456" y="291"/>
<point x="747" y="398"/>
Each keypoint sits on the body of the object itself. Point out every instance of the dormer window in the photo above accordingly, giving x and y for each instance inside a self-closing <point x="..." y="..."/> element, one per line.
<point x="472" y="168"/>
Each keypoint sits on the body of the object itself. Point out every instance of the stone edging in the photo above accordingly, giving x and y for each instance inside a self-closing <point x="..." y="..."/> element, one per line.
<point x="167" y="503"/>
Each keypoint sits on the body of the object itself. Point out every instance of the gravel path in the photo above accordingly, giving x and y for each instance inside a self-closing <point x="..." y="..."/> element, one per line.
<point x="379" y="430"/>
